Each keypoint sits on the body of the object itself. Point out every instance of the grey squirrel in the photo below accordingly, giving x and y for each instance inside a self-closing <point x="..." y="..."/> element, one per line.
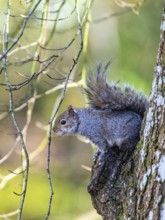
<point x="113" y="118"/>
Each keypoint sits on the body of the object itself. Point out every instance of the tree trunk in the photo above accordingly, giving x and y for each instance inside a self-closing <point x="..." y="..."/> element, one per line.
<point x="133" y="186"/>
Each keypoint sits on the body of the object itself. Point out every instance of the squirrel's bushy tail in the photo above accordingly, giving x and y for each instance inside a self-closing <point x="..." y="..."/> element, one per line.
<point x="102" y="95"/>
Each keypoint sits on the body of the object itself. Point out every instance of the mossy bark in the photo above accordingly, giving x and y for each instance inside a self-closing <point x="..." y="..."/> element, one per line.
<point x="125" y="186"/>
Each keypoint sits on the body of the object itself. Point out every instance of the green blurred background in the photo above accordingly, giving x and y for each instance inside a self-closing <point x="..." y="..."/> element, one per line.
<point x="129" y="37"/>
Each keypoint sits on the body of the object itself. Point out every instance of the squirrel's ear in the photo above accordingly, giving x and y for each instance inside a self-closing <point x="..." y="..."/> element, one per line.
<point x="71" y="110"/>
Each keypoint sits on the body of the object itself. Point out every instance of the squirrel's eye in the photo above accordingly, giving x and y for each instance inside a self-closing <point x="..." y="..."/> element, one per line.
<point x="63" y="122"/>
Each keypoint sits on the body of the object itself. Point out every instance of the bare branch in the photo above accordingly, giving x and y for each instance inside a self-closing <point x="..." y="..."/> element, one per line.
<point x="21" y="31"/>
<point x="5" y="48"/>
<point x="10" y="214"/>
<point x="35" y="75"/>
<point x="58" y="106"/>
<point x="47" y="19"/>
<point x="111" y="15"/>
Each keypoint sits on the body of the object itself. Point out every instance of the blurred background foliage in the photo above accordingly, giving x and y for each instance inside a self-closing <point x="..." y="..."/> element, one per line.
<point x="125" y="31"/>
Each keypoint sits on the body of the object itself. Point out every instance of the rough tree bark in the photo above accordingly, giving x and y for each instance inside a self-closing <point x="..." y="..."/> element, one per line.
<point x="133" y="186"/>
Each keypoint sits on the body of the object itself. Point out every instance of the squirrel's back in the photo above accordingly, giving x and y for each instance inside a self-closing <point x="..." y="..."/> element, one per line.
<point x="102" y="95"/>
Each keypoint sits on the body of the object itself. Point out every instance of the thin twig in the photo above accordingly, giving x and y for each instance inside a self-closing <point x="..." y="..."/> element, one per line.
<point x="19" y="169"/>
<point x="62" y="48"/>
<point x="10" y="214"/>
<point x="111" y="15"/>
<point x="58" y="106"/>
<point x="5" y="48"/>
<point x="3" y="159"/>
<point x="19" y="48"/>
<point x="38" y="96"/>
<point x="50" y="59"/>
<point x="21" y="31"/>
<point x="45" y="19"/>
<point x="34" y="76"/>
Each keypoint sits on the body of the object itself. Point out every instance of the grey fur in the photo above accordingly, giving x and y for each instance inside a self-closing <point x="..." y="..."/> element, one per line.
<point x="109" y="129"/>
<point x="113" y="118"/>
<point x="102" y="95"/>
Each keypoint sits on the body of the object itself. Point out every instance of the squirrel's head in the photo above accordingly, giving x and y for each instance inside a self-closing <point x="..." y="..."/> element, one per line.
<point x="67" y="122"/>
